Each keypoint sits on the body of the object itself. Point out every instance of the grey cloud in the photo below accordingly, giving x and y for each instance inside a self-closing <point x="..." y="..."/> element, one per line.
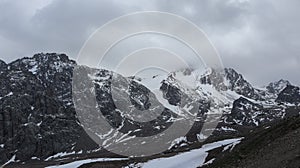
<point x="259" y="38"/>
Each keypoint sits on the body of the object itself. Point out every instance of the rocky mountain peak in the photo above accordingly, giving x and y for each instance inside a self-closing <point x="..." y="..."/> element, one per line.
<point x="236" y="81"/>
<point x="215" y="78"/>
<point x="2" y="64"/>
<point x="47" y="60"/>
<point x="229" y="79"/>
<point x="3" y="67"/>
<point x="36" y="106"/>
<point x="278" y="86"/>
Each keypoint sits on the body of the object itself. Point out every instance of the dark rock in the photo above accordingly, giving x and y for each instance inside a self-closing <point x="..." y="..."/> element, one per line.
<point x="229" y="79"/>
<point x="290" y="94"/>
<point x="277" y="87"/>
<point x="171" y="93"/>
<point x="238" y="84"/>
<point x="37" y="117"/>
<point x="243" y="112"/>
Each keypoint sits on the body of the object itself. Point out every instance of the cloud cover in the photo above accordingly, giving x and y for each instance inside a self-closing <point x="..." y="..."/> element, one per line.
<point x="259" y="38"/>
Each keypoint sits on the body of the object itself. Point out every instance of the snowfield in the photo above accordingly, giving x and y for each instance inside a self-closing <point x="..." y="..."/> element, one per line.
<point x="81" y="162"/>
<point x="190" y="159"/>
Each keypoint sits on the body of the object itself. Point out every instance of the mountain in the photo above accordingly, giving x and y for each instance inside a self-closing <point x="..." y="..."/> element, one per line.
<point x="37" y="117"/>
<point x="277" y="87"/>
<point x="38" y="121"/>
<point x="233" y="81"/>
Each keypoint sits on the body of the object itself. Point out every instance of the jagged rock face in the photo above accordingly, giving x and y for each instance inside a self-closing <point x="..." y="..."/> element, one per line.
<point x="52" y="71"/>
<point x="247" y="113"/>
<point x="243" y="111"/>
<point x="3" y="76"/>
<point x="130" y="93"/>
<point x="36" y="113"/>
<point x="277" y="87"/>
<point x="3" y="66"/>
<point x="229" y="79"/>
<point x="290" y="94"/>
<point x="238" y="84"/>
<point x="214" y="77"/>
<point x="172" y="93"/>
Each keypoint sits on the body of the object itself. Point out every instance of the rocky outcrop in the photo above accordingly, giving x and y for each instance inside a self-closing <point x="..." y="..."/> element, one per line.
<point x="277" y="87"/>
<point x="247" y="113"/>
<point x="290" y="94"/>
<point x="37" y="118"/>
<point x="229" y="79"/>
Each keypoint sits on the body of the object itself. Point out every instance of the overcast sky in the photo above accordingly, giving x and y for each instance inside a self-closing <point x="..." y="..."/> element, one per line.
<point x="258" y="38"/>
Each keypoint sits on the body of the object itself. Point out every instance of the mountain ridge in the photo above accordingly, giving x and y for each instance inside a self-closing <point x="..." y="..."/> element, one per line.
<point x="38" y="118"/>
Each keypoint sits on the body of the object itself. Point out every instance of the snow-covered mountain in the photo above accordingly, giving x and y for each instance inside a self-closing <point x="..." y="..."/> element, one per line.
<point x="38" y="119"/>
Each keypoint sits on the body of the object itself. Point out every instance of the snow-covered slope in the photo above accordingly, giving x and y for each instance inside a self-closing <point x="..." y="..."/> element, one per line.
<point x="191" y="159"/>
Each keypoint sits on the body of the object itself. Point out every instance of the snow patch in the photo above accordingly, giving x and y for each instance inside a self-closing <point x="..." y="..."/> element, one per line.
<point x="12" y="159"/>
<point x="224" y="128"/>
<point x="177" y="141"/>
<point x="33" y="70"/>
<point x="81" y="162"/>
<point x="201" y="136"/>
<point x="61" y="154"/>
<point x="191" y="159"/>
<point x="9" y="94"/>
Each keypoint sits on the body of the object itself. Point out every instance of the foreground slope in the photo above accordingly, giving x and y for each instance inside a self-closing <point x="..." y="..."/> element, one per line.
<point x="274" y="146"/>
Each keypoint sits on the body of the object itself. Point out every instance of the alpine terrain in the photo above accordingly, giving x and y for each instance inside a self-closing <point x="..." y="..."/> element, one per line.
<point x="40" y="127"/>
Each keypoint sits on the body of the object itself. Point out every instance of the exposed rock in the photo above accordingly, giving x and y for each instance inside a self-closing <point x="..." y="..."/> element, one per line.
<point x="290" y="94"/>
<point x="277" y="87"/>
<point x="36" y="113"/>
<point x="229" y="79"/>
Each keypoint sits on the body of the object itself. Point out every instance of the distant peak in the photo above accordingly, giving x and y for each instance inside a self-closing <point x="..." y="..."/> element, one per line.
<point x="281" y="81"/>
<point x="284" y="81"/>
<point x="230" y="70"/>
<point x="43" y="58"/>
<point x="54" y="56"/>
<point x="278" y="86"/>
<point x="2" y="62"/>
<point x="3" y="65"/>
